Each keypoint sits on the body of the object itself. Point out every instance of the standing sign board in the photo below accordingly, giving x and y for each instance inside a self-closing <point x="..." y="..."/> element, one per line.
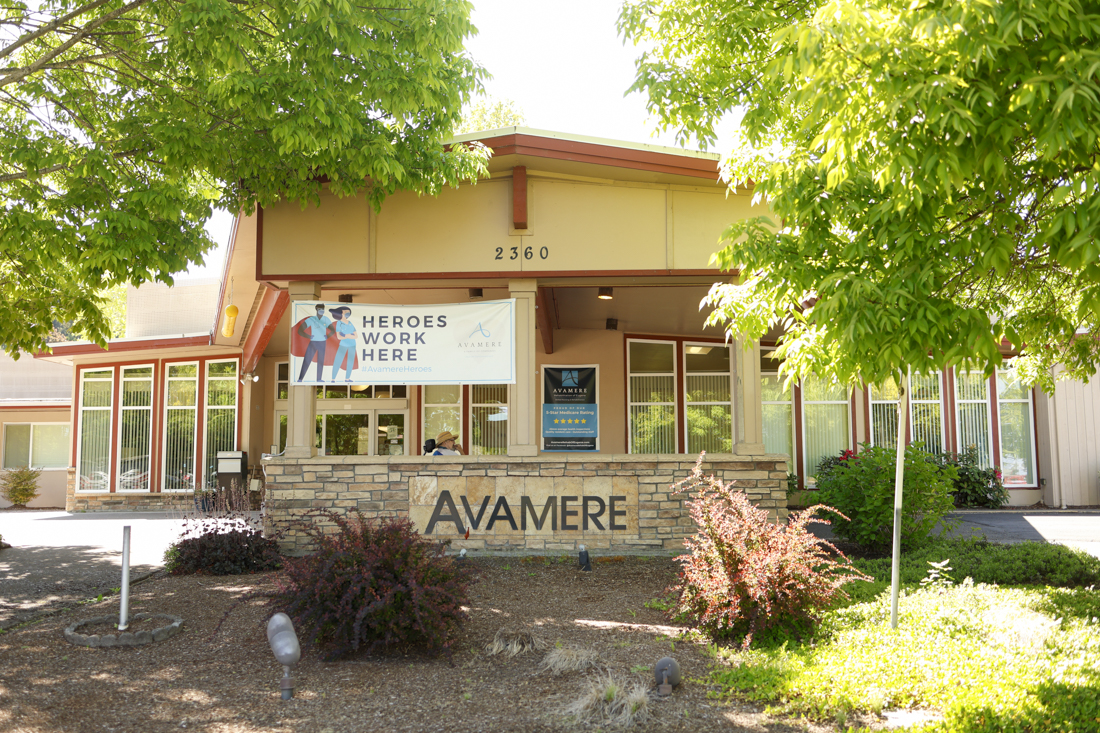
<point x="361" y="343"/>
<point x="570" y="408"/>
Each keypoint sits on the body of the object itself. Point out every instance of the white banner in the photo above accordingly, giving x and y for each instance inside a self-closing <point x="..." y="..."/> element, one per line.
<point x="361" y="343"/>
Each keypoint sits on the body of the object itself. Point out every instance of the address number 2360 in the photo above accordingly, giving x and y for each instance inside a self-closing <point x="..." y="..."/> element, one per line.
<point x="527" y="253"/>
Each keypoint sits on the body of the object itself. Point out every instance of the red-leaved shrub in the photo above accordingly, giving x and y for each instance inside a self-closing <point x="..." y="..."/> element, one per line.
<point x="374" y="583"/>
<point x="744" y="573"/>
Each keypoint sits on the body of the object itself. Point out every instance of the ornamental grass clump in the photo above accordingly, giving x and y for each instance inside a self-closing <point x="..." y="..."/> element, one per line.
<point x="372" y="584"/>
<point x="743" y="573"/>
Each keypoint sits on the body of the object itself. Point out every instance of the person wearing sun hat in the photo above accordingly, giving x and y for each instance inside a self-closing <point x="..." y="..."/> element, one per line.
<point x="445" y="444"/>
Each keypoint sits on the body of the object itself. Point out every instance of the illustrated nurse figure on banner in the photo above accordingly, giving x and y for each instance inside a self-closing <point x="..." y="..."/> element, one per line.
<point x="326" y="341"/>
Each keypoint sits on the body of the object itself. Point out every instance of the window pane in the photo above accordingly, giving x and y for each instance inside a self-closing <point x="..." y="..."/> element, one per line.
<point x="818" y="390"/>
<point x="134" y="444"/>
<point x="182" y="393"/>
<point x="772" y="389"/>
<point x="442" y="394"/>
<point x="826" y="433"/>
<point x="17" y="446"/>
<point x="709" y="428"/>
<point x="974" y="430"/>
<point x="283" y="372"/>
<point x="652" y="389"/>
<point x="282" y="432"/>
<point x="706" y="358"/>
<point x="183" y="370"/>
<point x="712" y="388"/>
<point x="777" y="429"/>
<point x="361" y="391"/>
<point x="399" y="392"/>
<point x="489" y="394"/>
<point x="648" y="357"/>
<point x="282" y="391"/>
<point x="925" y="388"/>
<point x="926" y="425"/>
<point x="137" y="393"/>
<point x="490" y="430"/>
<point x="972" y="386"/>
<point x="347" y="435"/>
<point x="100" y="374"/>
<point x="1017" y="462"/>
<point x="438" y="418"/>
<point x="221" y="369"/>
<point x="97" y="394"/>
<point x="221" y="434"/>
<point x="137" y="372"/>
<point x="652" y="429"/>
<point x="888" y="392"/>
<point x="50" y="448"/>
<point x="221" y="392"/>
<point x="179" y="448"/>
<point x="1010" y="386"/>
<point x="884" y="424"/>
<point x="335" y="393"/>
<point x="95" y="432"/>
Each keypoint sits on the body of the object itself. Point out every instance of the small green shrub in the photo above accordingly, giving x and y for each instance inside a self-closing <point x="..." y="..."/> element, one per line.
<point x="20" y="485"/>
<point x="374" y="583"/>
<point x="1025" y="563"/>
<point x="861" y="487"/>
<point x="976" y="486"/>
<point x="220" y="546"/>
<point x="744" y="574"/>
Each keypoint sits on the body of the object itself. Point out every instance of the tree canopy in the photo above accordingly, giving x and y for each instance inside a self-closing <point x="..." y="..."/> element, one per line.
<point x="488" y="113"/>
<point x="124" y="122"/>
<point x="932" y="168"/>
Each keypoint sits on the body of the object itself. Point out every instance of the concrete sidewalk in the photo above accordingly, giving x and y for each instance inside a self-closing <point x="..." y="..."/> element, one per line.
<point x="1072" y="527"/>
<point x="58" y="559"/>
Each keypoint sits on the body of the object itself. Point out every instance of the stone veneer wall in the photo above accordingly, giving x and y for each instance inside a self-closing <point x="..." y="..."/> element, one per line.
<point x="122" y="502"/>
<point x="648" y="516"/>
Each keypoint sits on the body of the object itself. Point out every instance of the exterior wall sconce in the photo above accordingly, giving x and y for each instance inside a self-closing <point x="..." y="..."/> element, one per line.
<point x="612" y="324"/>
<point x="230" y="323"/>
<point x="605" y="294"/>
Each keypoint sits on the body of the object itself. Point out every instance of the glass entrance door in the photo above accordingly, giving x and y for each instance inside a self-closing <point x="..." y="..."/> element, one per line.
<point x="391" y="434"/>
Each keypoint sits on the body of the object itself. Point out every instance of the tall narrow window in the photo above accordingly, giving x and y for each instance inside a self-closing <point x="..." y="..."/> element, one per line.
<point x="778" y="412"/>
<point x="282" y="381"/>
<point x="94" y="445"/>
<point x="884" y="414"/>
<point x="707" y="398"/>
<point x="925" y="412"/>
<point x="651" y="369"/>
<point x="180" y="426"/>
<point x="135" y="429"/>
<point x="1014" y="411"/>
<point x="488" y="419"/>
<point x="221" y="414"/>
<point x="442" y="410"/>
<point x="972" y="417"/>
<point x="825" y="427"/>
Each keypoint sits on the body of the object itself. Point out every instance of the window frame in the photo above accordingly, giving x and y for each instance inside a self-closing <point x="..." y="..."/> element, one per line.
<point x="110" y="409"/>
<point x="871" y="402"/>
<point x="994" y="439"/>
<point x="30" y="445"/>
<point x="677" y="381"/>
<point x="469" y="428"/>
<point x="683" y="346"/>
<point x="805" y="478"/>
<point x="999" y="453"/>
<point x="118" y="410"/>
<point x="462" y="405"/>
<point x="198" y="407"/>
<point x="794" y="412"/>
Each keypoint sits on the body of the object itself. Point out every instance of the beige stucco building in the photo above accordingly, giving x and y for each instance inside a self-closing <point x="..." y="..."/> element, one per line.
<point x="561" y="221"/>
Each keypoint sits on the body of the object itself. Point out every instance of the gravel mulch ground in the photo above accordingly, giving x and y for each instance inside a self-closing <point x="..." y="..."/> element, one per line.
<point x="229" y="682"/>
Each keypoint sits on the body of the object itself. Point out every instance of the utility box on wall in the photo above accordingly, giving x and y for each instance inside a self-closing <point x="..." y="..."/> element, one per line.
<point x="232" y="466"/>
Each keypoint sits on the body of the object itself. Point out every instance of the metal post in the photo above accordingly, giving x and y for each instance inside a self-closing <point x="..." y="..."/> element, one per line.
<point x="124" y="605"/>
<point x="899" y="473"/>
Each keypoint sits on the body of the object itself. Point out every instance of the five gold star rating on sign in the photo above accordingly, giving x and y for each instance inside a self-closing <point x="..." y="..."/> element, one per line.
<point x="580" y="422"/>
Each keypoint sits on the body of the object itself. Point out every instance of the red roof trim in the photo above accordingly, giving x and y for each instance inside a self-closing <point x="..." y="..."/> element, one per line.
<point x="272" y="307"/>
<point x="173" y="342"/>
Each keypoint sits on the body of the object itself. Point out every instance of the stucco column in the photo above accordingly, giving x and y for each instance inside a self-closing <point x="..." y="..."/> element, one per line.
<point x="523" y="401"/>
<point x="301" y="415"/>
<point x="749" y="413"/>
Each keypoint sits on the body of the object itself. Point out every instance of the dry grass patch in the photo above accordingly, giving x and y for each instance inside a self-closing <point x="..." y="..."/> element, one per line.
<point x="609" y="701"/>
<point x="569" y="659"/>
<point x="514" y="642"/>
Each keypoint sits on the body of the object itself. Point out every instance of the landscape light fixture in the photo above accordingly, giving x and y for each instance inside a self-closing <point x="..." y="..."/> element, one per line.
<point x="583" y="561"/>
<point x="476" y="293"/>
<point x="285" y="647"/>
<point x="606" y="293"/>
<point x="667" y="672"/>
